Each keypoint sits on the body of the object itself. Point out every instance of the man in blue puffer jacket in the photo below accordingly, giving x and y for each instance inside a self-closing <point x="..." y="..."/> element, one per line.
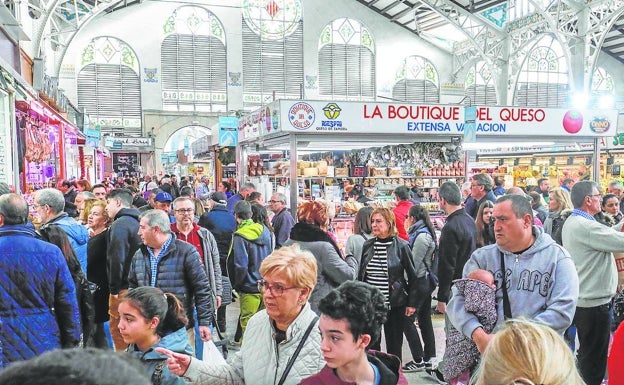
<point x="49" y="204"/>
<point x="38" y="307"/>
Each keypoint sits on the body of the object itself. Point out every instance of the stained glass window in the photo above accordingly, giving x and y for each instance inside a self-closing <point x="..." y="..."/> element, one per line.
<point x="194" y="61"/>
<point x="479" y="85"/>
<point x="416" y="81"/>
<point x="544" y="78"/>
<point x="346" y="61"/>
<point x="109" y="88"/>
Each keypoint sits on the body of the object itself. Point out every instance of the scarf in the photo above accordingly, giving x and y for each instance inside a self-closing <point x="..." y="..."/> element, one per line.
<point x="305" y="232"/>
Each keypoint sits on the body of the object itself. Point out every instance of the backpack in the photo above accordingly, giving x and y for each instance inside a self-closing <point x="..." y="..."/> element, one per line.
<point x="433" y="269"/>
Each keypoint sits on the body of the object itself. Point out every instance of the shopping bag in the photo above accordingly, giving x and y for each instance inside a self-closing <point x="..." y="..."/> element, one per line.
<point x="212" y="354"/>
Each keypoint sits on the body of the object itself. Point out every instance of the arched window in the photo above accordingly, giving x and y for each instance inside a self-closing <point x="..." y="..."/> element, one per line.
<point x="193" y="59"/>
<point x="272" y="51"/>
<point x="346" y="61"/>
<point x="479" y="85"/>
<point x="417" y="81"/>
<point x="544" y="79"/>
<point x="109" y="88"/>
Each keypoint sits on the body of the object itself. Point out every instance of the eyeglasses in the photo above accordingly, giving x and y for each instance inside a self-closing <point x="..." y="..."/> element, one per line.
<point x="36" y="206"/>
<point x="277" y="289"/>
<point x="272" y="201"/>
<point x="184" y="211"/>
<point x="595" y="195"/>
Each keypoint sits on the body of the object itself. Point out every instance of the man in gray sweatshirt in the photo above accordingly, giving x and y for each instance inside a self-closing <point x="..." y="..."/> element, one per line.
<point x="541" y="281"/>
<point x="591" y="245"/>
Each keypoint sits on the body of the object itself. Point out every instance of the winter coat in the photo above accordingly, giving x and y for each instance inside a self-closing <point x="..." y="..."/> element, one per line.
<point x="542" y="285"/>
<point x="400" y="213"/>
<point x="233" y="200"/>
<point x="389" y="366"/>
<point x="251" y="243"/>
<point x="458" y="240"/>
<point x="211" y="260"/>
<point x="261" y="361"/>
<point x="222" y="224"/>
<point x="554" y="224"/>
<point x="461" y="352"/>
<point x="97" y="274"/>
<point x="282" y="224"/>
<point x="176" y="342"/>
<point x="400" y="268"/>
<point x="38" y="307"/>
<point x="123" y="242"/>
<point x="78" y="236"/>
<point x="332" y="269"/>
<point x="179" y="271"/>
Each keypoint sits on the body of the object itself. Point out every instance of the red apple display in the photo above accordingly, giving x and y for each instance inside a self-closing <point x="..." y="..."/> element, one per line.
<point x="572" y="121"/>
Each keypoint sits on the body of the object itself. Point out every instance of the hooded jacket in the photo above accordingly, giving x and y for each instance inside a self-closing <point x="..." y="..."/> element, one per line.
<point x="78" y="236"/>
<point x="123" y="242"/>
<point x="176" y="342"/>
<point x="542" y="285"/>
<point x="251" y="243"/>
<point x="389" y="366"/>
<point x="38" y="306"/>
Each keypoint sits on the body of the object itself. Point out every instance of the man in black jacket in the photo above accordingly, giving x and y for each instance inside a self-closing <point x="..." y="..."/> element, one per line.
<point x="175" y="267"/>
<point x="123" y="242"/>
<point x="457" y="241"/>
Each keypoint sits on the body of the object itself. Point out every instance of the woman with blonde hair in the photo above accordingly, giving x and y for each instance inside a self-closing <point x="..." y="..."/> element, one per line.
<point x="387" y="264"/>
<point x="274" y="334"/>
<point x="559" y="207"/>
<point x="97" y="221"/>
<point x="527" y="353"/>
<point x="310" y="234"/>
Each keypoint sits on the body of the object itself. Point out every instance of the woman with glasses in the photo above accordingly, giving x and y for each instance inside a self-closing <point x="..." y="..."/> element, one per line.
<point x="311" y="235"/>
<point x="387" y="264"/>
<point x="185" y="229"/>
<point x="282" y="341"/>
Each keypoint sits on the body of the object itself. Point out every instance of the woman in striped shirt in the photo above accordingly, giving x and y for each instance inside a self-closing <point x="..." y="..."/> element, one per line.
<point x="387" y="264"/>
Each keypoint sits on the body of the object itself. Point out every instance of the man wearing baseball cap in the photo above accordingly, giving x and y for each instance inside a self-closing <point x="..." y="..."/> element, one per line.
<point x="162" y="201"/>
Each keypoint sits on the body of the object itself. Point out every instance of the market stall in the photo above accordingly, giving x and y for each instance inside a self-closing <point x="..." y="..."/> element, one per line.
<point x="313" y="148"/>
<point x="47" y="146"/>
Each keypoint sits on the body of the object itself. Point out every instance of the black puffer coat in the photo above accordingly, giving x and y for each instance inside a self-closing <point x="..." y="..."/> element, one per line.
<point x="181" y="273"/>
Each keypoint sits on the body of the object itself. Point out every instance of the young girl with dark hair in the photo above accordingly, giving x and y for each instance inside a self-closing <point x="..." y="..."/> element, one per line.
<point x="149" y="319"/>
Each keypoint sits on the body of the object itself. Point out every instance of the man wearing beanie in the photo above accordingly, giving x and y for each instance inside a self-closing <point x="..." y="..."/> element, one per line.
<point x="251" y="243"/>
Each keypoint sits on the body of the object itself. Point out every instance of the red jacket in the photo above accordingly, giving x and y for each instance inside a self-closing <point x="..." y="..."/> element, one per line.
<point x="616" y="357"/>
<point x="400" y="213"/>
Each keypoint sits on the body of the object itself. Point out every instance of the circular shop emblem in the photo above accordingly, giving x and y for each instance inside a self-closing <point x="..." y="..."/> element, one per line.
<point x="301" y="116"/>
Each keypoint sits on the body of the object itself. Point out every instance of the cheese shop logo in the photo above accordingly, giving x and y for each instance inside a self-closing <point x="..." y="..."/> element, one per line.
<point x="332" y="111"/>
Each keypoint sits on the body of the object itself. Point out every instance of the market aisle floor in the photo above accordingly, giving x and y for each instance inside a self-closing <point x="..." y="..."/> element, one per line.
<point x="418" y="378"/>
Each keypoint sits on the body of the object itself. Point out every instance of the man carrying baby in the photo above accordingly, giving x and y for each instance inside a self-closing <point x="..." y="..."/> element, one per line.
<point x="534" y="276"/>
